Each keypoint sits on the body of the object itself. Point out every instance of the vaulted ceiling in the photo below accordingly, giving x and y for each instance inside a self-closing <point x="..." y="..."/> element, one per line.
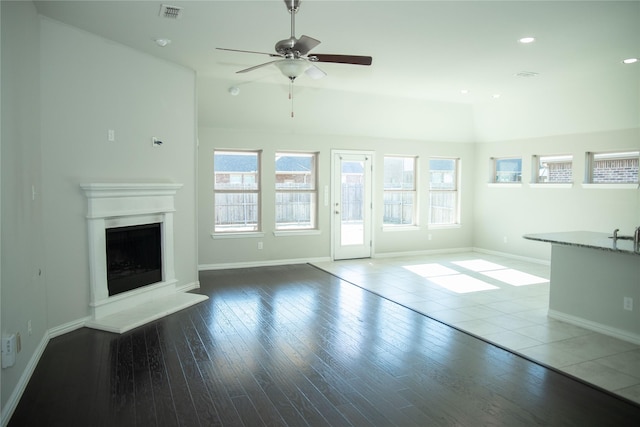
<point x="460" y="57"/>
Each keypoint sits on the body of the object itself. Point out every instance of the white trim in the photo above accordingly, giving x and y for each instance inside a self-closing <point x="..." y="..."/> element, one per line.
<point x="611" y="186"/>
<point x="512" y="256"/>
<point x="23" y="381"/>
<point x="188" y="286"/>
<point x="423" y="252"/>
<point x="596" y="327"/>
<point x="504" y="184"/>
<point x="270" y="263"/>
<point x="302" y="232"/>
<point x="238" y="235"/>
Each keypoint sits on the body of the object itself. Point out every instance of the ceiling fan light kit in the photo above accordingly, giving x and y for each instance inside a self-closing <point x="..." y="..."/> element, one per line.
<point x="294" y="52"/>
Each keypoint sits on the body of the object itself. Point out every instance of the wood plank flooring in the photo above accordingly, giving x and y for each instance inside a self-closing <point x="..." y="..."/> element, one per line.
<point x="295" y="346"/>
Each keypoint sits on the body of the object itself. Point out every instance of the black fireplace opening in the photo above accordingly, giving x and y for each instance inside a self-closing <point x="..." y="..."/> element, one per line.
<point x="134" y="257"/>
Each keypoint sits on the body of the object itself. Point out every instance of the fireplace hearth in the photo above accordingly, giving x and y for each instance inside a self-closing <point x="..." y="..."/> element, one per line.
<point x="131" y="255"/>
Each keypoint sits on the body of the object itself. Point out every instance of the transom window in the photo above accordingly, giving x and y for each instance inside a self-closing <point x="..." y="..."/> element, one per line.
<point x="236" y="191"/>
<point x="614" y="167"/>
<point x="553" y="169"/>
<point x="444" y="191"/>
<point x="399" y="190"/>
<point x="507" y="169"/>
<point x="296" y="191"/>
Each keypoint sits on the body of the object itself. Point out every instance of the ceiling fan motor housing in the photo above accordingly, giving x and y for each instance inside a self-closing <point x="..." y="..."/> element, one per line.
<point x="284" y="46"/>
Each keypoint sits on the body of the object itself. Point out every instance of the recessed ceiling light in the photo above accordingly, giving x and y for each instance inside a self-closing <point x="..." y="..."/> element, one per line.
<point x="526" y="74"/>
<point x="162" y="42"/>
<point x="495" y="96"/>
<point x="630" y="61"/>
<point x="526" y="40"/>
<point x="464" y="91"/>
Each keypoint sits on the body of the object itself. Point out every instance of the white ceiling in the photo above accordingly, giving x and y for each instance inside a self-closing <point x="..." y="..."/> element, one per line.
<point x="425" y="50"/>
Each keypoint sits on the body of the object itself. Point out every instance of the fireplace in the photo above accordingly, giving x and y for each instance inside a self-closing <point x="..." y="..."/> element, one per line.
<point x="134" y="257"/>
<point x="131" y="255"/>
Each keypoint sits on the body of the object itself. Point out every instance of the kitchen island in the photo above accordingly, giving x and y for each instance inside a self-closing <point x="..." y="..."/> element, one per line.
<point x="595" y="282"/>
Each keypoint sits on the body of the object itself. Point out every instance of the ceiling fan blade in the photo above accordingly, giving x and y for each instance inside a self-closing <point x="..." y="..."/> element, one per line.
<point x="246" y="70"/>
<point x="250" y="51"/>
<point x="341" y="59"/>
<point x="305" y="44"/>
<point x="315" y="72"/>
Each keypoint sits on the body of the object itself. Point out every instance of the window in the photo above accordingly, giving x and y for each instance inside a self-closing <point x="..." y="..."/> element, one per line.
<point x="507" y="169"/>
<point x="399" y="190"/>
<point x="553" y="169"/>
<point x="236" y="191"/>
<point x="296" y="191"/>
<point x="443" y="191"/>
<point x="618" y="167"/>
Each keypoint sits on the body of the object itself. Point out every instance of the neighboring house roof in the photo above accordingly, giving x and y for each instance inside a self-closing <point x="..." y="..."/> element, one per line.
<point x="244" y="163"/>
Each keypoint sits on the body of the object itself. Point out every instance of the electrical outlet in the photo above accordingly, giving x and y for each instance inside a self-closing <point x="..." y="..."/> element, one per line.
<point x="29" y="330"/>
<point x="111" y="135"/>
<point x="429" y="236"/>
<point x="627" y="303"/>
<point x="260" y="246"/>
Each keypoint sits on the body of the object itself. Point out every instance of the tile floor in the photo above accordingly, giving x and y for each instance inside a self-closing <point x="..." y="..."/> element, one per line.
<point x="501" y="300"/>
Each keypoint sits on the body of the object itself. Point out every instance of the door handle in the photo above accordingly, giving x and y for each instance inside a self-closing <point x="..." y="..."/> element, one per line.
<point x="337" y="212"/>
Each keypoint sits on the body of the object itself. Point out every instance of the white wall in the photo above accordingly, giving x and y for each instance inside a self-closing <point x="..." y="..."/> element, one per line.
<point x="90" y="85"/>
<point x="511" y="212"/>
<point x="217" y="252"/>
<point x="321" y="111"/>
<point x="23" y="289"/>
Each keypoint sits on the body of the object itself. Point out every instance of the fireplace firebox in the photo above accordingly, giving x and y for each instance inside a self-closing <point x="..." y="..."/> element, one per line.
<point x="134" y="257"/>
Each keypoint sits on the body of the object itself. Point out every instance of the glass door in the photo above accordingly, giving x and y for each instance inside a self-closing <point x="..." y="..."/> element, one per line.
<point x="351" y="203"/>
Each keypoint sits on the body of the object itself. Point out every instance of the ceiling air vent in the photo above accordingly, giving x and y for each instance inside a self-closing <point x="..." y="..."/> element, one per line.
<point x="170" y="12"/>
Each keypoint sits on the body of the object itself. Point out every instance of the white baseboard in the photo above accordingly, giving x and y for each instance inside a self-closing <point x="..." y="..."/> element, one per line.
<point x="422" y="252"/>
<point x="14" y="399"/>
<point x="188" y="286"/>
<point x="596" y="327"/>
<point x="270" y="263"/>
<point x="512" y="256"/>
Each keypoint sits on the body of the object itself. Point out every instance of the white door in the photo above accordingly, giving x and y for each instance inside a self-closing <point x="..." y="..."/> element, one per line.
<point x="351" y="205"/>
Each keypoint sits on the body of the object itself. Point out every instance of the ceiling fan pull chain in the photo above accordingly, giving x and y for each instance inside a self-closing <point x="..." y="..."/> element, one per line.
<point x="291" y="95"/>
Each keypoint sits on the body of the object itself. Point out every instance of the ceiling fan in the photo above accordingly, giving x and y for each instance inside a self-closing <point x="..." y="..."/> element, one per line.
<point x="294" y="53"/>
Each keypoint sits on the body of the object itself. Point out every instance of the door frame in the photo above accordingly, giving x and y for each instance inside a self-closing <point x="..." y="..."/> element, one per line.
<point x="333" y="197"/>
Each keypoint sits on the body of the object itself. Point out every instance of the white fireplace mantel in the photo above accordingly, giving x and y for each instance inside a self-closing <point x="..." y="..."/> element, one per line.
<point x="123" y="204"/>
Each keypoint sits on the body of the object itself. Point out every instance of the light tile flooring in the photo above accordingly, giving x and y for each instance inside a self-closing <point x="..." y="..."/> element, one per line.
<point x="503" y="301"/>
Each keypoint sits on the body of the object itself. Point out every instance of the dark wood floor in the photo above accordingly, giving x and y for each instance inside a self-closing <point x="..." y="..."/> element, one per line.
<point x="296" y="346"/>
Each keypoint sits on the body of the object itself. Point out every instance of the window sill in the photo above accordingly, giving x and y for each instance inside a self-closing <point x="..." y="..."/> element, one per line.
<point x="612" y="186"/>
<point x="237" y="235"/>
<point x="392" y="228"/>
<point x="287" y="233"/>
<point x="551" y="185"/>
<point x="504" y="185"/>
<point x="443" y="226"/>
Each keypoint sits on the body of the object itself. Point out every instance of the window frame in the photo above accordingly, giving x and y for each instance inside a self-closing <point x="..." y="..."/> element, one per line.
<point x="257" y="191"/>
<point x="402" y="192"/>
<point x="590" y="162"/>
<point x="494" y="170"/>
<point x="456" y="191"/>
<point x="536" y="160"/>
<point x="313" y="192"/>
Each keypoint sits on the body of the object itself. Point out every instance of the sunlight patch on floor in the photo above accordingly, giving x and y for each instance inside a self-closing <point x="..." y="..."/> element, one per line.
<point x="431" y="270"/>
<point x="514" y="277"/>
<point x="478" y="265"/>
<point x="462" y="284"/>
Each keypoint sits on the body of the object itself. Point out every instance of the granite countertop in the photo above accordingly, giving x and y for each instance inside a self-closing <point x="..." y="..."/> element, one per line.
<point x="586" y="239"/>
